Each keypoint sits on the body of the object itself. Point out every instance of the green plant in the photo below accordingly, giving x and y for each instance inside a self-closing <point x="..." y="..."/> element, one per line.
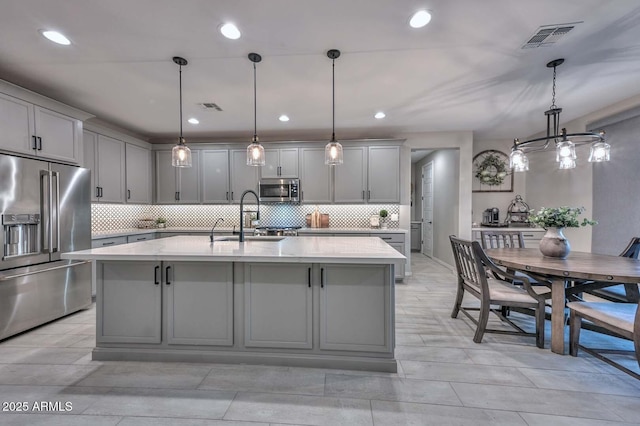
<point x="161" y="220"/>
<point x="383" y="213"/>
<point x="560" y="217"/>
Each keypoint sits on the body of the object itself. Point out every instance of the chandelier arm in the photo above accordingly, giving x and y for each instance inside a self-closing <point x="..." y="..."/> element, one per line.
<point x="595" y="137"/>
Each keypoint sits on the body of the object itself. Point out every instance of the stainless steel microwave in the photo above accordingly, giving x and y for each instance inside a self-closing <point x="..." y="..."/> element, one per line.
<point x="279" y="190"/>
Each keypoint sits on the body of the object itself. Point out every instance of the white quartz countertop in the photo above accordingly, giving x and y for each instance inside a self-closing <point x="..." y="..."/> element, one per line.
<point x="359" y="250"/>
<point x="508" y="228"/>
<point x="137" y="231"/>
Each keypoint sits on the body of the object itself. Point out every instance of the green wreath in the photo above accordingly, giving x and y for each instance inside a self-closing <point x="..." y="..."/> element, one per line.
<point x="491" y="170"/>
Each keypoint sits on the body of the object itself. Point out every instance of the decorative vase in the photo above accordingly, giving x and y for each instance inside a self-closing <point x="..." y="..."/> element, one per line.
<point x="383" y="223"/>
<point x="555" y="244"/>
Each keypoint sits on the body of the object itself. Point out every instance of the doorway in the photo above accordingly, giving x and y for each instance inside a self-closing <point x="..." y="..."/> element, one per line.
<point x="427" y="209"/>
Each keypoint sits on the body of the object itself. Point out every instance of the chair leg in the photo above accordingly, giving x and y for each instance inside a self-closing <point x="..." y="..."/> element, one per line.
<point x="485" y="309"/>
<point x="458" y="302"/>
<point x="575" y="324"/>
<point x="540" y="314"/>
<point x="636" y="343"/>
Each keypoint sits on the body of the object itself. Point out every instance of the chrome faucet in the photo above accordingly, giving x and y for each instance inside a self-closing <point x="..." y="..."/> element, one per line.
<point x="214" y="227"/>
<point x="257" y="212"/>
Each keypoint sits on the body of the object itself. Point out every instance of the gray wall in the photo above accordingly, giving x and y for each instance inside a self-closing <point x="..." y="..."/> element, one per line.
<point x="616" y="194"/>
<point x="446" y="170"/>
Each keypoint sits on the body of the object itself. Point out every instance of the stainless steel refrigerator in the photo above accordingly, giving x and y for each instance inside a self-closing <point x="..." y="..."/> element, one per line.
<point x="45" y="209"/>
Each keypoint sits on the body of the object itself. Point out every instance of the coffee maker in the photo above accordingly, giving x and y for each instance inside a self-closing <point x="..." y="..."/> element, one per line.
<point x="491" y="216"/>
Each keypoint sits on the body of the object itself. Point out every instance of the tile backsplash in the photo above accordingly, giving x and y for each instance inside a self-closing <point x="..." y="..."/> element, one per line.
<point x="105" y="217"/>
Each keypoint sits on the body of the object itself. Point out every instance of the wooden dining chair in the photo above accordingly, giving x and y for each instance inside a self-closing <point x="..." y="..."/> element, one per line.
<point x="622" y="319"/>
<point x="472" y="265"/>
<point x="501" y="239"/>
<point x="625" y="293"/>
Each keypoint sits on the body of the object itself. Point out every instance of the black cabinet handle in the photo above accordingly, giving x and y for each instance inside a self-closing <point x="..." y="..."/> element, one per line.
<point x="155" y="275"/>
<point x="231" y="195"/>
<point x="227" y="195"/>
<point x="368" y="194"/>
<point x="39" y="143"/>
<point x="128" y="194"/>
<point x="309" y="277"/>
<point x="363" y="194"/>
<point x="141" y="239"/>
<point x="177" y="196"/>
<point x="108" y="244"/>
<point x="35" y="142"/>
<point x="279" y="171"/>
<point x="101" y="192"/>
<point x="166" y="275"/>
<point x="97" y="192"/>
<point x="321" y="277"/>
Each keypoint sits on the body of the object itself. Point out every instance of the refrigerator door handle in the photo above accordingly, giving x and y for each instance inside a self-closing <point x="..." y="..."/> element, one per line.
<point x="47" y="213"/>
<point x="57" y="247"/>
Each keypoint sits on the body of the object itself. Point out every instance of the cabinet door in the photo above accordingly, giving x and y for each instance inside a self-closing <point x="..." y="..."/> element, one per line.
<point x="16" y="122"/>
<point x="278" y="306"/>
<point x="384" y="174"/>
<point x="111" y="169"/>
<point x="399" y="265"/>
<point x="130" y="302"/>
<point x="189" y="181"/>
<point x="315" y="182"/>
<point x="215" y="176"/>
<point x="243" y="177"/>
<point x="289" y="162"/>
<point x="355" y="308"/>
<point x="90" y="152"/>
<point x="60" y="135"/>
<point x="351" y="178"/>
<point x="199" y="303"/>
<point x="138" y="176"/>
<point x="271" y="164"/>
<point x="166" y="179"/>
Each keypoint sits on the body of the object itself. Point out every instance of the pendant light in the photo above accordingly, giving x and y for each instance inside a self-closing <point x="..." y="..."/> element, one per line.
<point x="333" y="150"/>
<point x="255" y="151"/>
<point x="180" y="154"/>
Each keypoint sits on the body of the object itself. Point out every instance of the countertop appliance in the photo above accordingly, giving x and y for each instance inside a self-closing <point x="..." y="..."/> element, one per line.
<point x="45" y="209"/>
<point x="285" y="231"/>
<point x="491" y="217"/>
<point x="273" y="190"/>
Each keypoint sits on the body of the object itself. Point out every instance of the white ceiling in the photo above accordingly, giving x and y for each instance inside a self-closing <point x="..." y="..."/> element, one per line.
<point x="464" y="71"/>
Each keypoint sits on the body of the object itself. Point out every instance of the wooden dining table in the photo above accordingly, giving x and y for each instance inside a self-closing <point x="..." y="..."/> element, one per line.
<point x="576" y="269"/>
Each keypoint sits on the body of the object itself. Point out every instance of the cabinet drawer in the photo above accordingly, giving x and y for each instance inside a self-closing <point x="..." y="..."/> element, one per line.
<point x="106" y="242"/>
<point x="142" y="237"/>
<point x="390" y="238"/>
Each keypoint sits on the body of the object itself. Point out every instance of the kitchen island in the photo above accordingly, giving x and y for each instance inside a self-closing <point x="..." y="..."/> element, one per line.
<point x="295" y="301"/>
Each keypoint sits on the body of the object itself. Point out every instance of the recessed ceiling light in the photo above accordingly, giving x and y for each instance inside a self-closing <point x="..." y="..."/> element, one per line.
<point x="420" y="19"/>
<point x="283" y="117"/>
<point x="229" y="30"/>
<point x="193" y="120"/>
<point x="380" y="115"/>
<point x="55" y="37"/>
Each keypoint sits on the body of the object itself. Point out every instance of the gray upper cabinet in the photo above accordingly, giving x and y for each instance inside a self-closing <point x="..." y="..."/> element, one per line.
<point x="215" y="176"/>
<point x="315" y="176"/>
<point x="281" y="162"/>
<point x="384" y="174"/>
<point x="34" y="130"/>
<point x="243" y="177"/>
<point x="105" y="157"/>
<point x="138" y="177"/>
<point x="177" y="184"/>
<point x="351" y="177"/>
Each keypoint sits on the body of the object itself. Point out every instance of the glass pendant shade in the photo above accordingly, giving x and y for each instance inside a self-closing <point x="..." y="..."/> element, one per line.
<point x="255" y="154"/>
<point x="565" y="149"/>
<point x="181" y="155"/>
<point x="333" y="153"/>
<point x="599" y="152"/>
<point x="518" y="161"/>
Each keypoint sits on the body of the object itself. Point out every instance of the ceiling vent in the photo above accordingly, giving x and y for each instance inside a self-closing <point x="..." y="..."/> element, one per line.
<point x="547" y="35"/>
<point x="210" y="106"/>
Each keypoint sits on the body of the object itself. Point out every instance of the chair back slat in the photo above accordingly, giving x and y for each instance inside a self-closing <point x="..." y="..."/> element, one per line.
<point x="501" y="239"/>
<point x="468" y="264"/>
<point x="633" y="249"/>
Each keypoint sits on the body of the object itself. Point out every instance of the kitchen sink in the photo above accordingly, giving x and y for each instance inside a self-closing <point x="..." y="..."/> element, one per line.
<point x="270" y="238"/>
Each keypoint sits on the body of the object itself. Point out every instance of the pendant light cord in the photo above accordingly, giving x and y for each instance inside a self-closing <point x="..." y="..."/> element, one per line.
<point x="333" y="85"/>
<point x="553" y="90"/>
<point x="180" y="105"/>
<point x="255" y="106"/>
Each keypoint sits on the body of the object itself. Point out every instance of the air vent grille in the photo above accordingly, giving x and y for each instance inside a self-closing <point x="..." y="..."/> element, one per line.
<point x="210" y="105"/>
<point x="548" y="35"/>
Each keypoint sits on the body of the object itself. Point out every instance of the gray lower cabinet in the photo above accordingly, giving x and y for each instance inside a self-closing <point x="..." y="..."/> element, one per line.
<point x="106" y="242"/>
<point x="355" y="306"/>
<point x="278" y="306"/>
<point x="397" y="242"/>
<point x="129" y="308"/>
<point x="140" y="237"/>
<point x="199" y="303"/>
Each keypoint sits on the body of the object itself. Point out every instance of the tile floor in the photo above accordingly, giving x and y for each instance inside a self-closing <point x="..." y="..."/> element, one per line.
<point x="444" y="379"/>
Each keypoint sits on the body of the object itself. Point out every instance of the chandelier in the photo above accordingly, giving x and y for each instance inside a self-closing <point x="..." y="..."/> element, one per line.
<point x="565" y="143"/>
